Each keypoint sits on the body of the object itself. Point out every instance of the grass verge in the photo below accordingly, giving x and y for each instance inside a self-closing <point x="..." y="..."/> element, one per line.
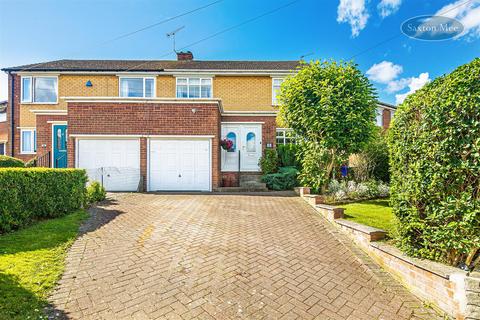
<point x="374" y="213"/>
<point x="31" y="261"/>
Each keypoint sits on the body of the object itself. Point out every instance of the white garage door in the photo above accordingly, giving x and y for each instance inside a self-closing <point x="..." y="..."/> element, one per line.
<point x="180" y="165"/>
<point x="114" y="162"/>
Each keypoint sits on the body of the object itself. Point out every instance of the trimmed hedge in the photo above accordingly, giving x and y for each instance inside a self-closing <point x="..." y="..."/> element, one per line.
<point x="95" y="192"/>
<point x="10" y="162"/>
<point x="27" y="194"/>
<point x="435" y="168"/>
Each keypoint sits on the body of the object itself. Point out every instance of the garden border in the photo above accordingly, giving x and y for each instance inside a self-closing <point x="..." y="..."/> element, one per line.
<point x="454" y="291"/>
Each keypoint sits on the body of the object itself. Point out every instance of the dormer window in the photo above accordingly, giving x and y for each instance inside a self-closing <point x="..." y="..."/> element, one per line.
<point x="137" y="87"/>
<point x="194" y="87"/>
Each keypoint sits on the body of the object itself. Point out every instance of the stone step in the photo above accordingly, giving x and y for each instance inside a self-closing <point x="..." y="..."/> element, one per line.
<point x="250" y="177"/>
<point x="253" y="184"/>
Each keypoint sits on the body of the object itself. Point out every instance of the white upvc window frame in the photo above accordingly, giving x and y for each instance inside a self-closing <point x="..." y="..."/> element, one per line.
<point x="274" y="91"/>
<point x="144" y="85"/>
<point x="3" y="116"/>
<point x="283" y="136"/>
<point x="32" y="89"/>
<point x="188" y="86"/>
<point x="33" y="140"/>
<point x="379" y="117"/>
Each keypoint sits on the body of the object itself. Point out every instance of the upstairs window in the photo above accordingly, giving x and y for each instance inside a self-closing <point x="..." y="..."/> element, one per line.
<point x="3" y="116"/>
<point x="276" y="83"/>
<point x="379" y="118"/>
<point x="137" y="87"/>
<point x="194" y="88"/>
<point x="39" y="89"/>
<point x="28" y="141"/>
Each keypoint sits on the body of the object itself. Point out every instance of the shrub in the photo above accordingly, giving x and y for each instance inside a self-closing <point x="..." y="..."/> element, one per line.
<point x="330" y="106"/>
<point x="95" y="192"/>
<point x="434" y="158"/>
<point x="287" y="155"/>
<point x="269" y="162"/>
<point x="10" y="162"/>
<point x="350" y="190"/>
<point x="32" y="163"/>
<point x="284" y="179"/>
<point x="27" y="194"/>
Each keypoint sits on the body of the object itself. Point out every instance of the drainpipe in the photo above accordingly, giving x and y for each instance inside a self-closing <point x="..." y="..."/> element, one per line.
<point x="12" y="113"/>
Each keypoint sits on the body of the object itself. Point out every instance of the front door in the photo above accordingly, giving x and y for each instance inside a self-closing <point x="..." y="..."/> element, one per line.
<point x="59" y="145"/>
<point x="247" y="147"/>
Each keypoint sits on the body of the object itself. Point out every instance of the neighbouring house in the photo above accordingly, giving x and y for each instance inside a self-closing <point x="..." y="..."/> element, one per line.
<point x="3" y="127"/>
<point x="385" y="114"/>
<point x="151" y="125"/>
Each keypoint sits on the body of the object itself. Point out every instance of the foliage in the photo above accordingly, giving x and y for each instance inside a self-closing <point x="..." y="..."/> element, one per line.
<point x="375" y="213"/>
<point x="32" y="163"/>
<point x="331" y="108"/>
<point x="339" y="191"/>
<point x="10" y="162"/>
<point x="287" y="155"/>
<point x="373" y="161"/>
<point x="435" y="168"/>
<point x="269" y="162"/>
<point x="226" y="144"/>
<point x="27" y="194"/>
<point x="284" y="179"/>
<point x="95" y="192"/>
<point x="31" y="263"/>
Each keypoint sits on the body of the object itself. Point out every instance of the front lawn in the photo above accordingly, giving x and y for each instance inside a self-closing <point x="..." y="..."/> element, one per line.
<point x="374" y="213"/>
<point x="31" y="261"/>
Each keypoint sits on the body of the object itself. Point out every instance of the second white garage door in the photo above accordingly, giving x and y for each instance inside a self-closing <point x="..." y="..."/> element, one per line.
<point x="182" y="165"/>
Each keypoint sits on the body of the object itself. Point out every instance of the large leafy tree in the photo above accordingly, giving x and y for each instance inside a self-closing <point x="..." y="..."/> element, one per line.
<point x="331" y="108"/>
<point x="435" y="168"/>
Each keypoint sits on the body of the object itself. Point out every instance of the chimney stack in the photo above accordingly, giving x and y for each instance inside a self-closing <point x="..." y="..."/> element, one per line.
<point x="184" y="56"/>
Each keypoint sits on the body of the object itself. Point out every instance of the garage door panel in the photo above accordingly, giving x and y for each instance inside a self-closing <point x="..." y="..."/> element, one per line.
<point x="179" y="165"/>
<point x="114" y="162"/>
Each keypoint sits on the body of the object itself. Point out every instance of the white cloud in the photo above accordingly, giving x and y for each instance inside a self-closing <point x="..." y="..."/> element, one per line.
<point x="414" y="84"/>
<point x="354" y="13"/>
<point x="384" y="72"/>
<point x="467" y="12"/>
<point x="397" y="85"/>
<point x="388" y="7"/>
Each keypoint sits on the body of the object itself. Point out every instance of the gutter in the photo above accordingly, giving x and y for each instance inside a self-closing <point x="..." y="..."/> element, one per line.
<point x="12" y="114"/>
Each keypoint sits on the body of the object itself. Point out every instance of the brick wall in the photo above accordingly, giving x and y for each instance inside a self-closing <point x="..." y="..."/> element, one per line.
<point x="146" y="119"/>
<point x="386" y="118"/>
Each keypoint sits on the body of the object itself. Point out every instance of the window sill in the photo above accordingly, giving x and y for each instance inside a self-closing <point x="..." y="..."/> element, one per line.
<point x="28" y="153"/>
<point x="39" y="102"/>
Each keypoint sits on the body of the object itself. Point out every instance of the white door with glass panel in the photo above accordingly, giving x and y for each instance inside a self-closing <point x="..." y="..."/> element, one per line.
<point x="247" y="147"/>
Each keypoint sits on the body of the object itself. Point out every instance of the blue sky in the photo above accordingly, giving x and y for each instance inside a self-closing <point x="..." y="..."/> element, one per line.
<point x="35" y="31"/>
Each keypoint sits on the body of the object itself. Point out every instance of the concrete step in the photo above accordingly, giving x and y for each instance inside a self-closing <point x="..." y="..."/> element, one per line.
<point x="250" y="177"/>
<point x="253" y="184"/>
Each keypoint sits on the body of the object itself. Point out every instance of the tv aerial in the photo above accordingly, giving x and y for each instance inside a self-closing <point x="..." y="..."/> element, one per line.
<point x="172" y="35"/>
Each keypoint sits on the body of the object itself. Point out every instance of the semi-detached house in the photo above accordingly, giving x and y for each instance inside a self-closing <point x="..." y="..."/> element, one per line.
<point x="153" y="125"/>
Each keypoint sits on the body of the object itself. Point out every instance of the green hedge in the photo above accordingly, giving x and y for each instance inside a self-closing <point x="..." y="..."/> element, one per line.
<point x="10" y="162"/>
<point x="435" y="168"/>
<point x="27" y="194"/>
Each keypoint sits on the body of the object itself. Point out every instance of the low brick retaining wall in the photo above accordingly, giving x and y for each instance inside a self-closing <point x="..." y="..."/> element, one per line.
<point x="454" y="291"/>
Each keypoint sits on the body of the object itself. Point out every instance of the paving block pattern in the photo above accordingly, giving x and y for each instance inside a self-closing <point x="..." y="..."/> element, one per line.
<point x="153" y="256"/>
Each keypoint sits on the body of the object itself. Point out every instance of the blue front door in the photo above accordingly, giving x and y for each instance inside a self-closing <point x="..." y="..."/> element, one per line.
<point x="59" y="146"/>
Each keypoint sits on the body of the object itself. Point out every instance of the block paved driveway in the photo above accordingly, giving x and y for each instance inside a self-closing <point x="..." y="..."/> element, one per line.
<point x="155" y="256"/>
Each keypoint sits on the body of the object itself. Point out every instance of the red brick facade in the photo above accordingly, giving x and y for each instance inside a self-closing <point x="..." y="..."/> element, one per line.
<point x="146" y="119"/>
<point x="386" y="117"/>
<point x="44" y="132"/>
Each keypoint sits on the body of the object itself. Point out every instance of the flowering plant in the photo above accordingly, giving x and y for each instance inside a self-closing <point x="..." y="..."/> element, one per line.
<point x="226" y="144"/>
